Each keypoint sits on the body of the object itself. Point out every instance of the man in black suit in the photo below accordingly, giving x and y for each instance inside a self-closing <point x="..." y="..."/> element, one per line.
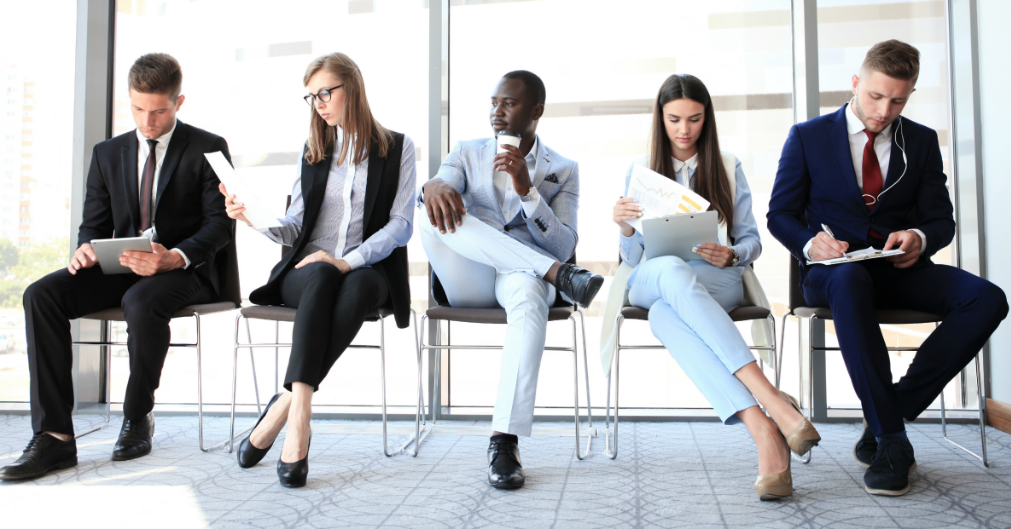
<point x="154" y="181"/>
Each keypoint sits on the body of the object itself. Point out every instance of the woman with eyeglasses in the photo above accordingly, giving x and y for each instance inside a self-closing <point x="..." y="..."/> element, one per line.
<point x="689" y="301"/>
<point x="348" y="225"/>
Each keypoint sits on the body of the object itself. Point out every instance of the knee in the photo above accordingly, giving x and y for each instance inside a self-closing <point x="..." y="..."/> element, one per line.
<point x="138" y="307"/>
<point x="673" y="271"/>
<point x="527" y="294"/>
<point x="851" y="277"/>
<point x="322" y="275"/>
<point x="992" y="300"/>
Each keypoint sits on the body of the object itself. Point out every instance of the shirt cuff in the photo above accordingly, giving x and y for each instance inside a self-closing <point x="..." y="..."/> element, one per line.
<point x="354" y="259"/>
<point x="923" y="239"/>
<point x="807" y="249"/>
<point x="187" y="259"/>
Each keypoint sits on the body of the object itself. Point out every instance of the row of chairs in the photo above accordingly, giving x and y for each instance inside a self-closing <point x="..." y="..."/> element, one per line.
<point x="444" y="313"/>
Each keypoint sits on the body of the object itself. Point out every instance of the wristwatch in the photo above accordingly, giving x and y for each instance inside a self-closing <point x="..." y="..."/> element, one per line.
<point x="736" y="259"/>
<point x="531" y="195"/>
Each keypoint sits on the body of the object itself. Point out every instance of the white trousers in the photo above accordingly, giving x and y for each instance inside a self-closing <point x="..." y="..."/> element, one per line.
<point x="481" y="267"/>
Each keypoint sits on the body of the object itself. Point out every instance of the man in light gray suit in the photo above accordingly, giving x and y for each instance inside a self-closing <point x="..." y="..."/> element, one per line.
<point x="510" y="251"/>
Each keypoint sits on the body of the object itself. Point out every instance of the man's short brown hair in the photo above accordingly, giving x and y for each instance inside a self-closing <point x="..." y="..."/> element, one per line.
<point x="156" y="73"/>
<point x="895" y="59"/>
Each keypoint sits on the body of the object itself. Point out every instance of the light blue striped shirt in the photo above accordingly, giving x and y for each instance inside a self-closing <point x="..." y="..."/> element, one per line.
<point x="342" y="236"/>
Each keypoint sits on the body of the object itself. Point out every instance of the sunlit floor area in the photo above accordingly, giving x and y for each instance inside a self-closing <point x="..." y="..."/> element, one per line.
<point x="693" y="475"/>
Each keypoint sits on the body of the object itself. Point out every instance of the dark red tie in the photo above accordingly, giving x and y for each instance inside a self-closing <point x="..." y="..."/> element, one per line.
<point x="147" y="182"/>
<point x="872" y="177"/>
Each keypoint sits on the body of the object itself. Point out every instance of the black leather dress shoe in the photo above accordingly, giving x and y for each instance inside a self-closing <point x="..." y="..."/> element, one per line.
<point x="865" y="448"/>
<point x="43" y="454"/>
<point x="505" y="471"/>
<point x="293" y="475"/>
<point x="134" y="439"/>
<point x="249" y="455"/>
<point x="890" y="469"/>
<point x="579" y="285"/>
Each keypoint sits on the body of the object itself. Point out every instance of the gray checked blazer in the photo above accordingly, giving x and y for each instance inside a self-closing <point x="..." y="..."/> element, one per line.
<point x="552" y="229"/>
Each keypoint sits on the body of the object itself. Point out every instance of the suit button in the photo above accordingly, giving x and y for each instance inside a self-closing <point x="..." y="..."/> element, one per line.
<point x="507" y="228"/>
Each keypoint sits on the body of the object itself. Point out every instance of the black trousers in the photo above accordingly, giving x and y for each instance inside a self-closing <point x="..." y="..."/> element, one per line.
<point x="972" y="309"/>
<point x="331" y="309"/>
<point x="148" y="304"/>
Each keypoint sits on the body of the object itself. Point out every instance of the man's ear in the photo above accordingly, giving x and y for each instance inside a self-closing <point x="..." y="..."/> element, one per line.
<point x="856" y="83"/>
<point x="179" y="102"/>
<point x="538" y="111"/>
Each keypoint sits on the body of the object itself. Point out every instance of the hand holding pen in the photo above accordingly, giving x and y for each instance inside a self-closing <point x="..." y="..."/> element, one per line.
<point x="825" y="246"/>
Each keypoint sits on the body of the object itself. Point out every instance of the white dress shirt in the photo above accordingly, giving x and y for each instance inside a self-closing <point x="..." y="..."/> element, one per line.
<point x="143" y="151"/>
<point x="507" y="196"/>
<point x="339" y="229"/>
<point x="882" y="148"/>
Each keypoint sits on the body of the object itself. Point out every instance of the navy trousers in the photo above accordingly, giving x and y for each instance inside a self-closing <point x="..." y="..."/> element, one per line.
<point x="971" y="309"/>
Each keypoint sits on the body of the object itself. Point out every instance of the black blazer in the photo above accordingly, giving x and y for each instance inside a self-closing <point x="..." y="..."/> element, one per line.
<point x="380" y="192"/>
<point x="189" y="211"/>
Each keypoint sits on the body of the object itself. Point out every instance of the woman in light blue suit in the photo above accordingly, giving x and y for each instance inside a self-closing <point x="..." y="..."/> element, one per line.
<point x="688" y="301"/>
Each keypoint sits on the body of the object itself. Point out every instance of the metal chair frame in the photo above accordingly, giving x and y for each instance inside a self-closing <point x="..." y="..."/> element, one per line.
<point x="944" y="428"/>
<point x="277" y="345"/>
<point x="591" y="431"/>
<point x="107" y="349"/>
<point x="612" y="452"/>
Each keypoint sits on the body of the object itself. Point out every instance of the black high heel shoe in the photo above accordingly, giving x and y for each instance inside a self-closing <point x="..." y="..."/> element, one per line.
<point x="293" y="475"/>
<point x="247" y="454"/>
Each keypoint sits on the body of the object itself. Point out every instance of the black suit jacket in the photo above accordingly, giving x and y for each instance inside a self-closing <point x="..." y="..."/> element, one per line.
<point x="380" y="193"/>
<point x="189" y="211"/>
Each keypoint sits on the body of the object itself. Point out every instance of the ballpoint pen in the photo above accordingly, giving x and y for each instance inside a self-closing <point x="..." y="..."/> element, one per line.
<point x="828" y="231"/>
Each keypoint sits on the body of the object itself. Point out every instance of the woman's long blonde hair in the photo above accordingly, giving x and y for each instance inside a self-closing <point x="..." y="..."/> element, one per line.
<point x="356" y="118"/>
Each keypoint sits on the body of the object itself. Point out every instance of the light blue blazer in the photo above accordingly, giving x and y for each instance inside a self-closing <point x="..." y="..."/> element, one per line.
<point x="552" y="229"/>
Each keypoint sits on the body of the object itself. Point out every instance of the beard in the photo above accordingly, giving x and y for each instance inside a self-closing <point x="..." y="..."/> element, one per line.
<point x="863" y="117"/>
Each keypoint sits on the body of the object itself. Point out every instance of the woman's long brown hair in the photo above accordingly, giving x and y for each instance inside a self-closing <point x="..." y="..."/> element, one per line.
<point x="710" y="179"/>
<point x="356" y="118"/>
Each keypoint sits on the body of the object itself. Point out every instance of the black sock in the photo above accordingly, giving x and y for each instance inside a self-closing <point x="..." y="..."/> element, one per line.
<point x="505" y="437"/>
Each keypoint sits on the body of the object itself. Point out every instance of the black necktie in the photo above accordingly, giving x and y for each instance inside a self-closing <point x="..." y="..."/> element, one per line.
<point x="146" y="182"/>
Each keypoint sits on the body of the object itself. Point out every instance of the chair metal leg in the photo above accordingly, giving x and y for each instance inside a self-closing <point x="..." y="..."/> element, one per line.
<point x="419" y="417"/>
<point x="608" y="450"/>
<point x="277" y="353"/>
<point x="232" y="436"/>
<point x="982" y="419"/>
<point x="810" y="378"/>
<point x="782" y="345"/>
<point x="591" y="432"/>
<point x="107" y="351"/>
<point x="575" y="392"/>
<point x="382" y="368"/>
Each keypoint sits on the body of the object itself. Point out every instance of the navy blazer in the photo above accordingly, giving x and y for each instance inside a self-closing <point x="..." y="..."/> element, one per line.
<point x="816" y="185"/>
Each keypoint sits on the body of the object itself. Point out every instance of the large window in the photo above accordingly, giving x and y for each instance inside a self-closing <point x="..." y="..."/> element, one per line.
<point x="242" y="64"/>
<point x="602" y="68"/>
<point x="36" y="127"/>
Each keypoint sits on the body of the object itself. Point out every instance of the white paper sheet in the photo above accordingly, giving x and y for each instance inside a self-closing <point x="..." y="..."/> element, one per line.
<point x="858" y="255"/>
<point x="255" y="211"/>
<point x="660" y="196"/>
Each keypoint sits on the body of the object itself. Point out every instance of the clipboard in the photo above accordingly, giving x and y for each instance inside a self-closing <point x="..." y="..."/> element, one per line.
<point x="678" y="234"/>
<point x="858" y="255"/>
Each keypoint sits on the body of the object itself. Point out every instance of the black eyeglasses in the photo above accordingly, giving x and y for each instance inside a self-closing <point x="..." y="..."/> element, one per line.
<point x="323" y="95"/>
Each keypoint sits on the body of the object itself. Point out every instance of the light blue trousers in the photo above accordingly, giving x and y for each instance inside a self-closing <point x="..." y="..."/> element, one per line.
<point x="688" y="305"/>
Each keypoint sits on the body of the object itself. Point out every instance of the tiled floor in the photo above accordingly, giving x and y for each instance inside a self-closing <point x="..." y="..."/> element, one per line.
<point x="693" y="475"/>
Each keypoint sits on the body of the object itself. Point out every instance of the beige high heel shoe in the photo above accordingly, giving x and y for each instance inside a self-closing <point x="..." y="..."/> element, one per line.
<point x="805" y="436"/>
<point x="771" y="487"/>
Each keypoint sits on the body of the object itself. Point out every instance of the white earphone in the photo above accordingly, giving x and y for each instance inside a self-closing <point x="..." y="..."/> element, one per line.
<point x="905" y="161"/>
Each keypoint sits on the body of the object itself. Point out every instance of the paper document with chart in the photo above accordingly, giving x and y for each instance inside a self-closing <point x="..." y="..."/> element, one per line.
<point x="255" y="212"/>
<point x="660" y="196"/>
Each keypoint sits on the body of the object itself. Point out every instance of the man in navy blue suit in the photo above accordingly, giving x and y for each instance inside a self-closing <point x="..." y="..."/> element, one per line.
<point x="875" y="179"/>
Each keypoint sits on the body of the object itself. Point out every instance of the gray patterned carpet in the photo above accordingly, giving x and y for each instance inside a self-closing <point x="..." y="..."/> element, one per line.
<point x="695" y="475"/>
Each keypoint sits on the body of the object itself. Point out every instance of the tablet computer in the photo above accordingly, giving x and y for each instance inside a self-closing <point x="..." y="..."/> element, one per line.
<point x="108" y="251"/>
<point x="677" y="235"/>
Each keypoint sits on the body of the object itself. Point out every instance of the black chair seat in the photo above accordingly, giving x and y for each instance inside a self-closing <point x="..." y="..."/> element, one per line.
<point x="272" y="313"/>
<point x="497" y="316"/>
<point x="738" y="314"/>
<point x="116" y="314"/>
<point x="885" y="317"/>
